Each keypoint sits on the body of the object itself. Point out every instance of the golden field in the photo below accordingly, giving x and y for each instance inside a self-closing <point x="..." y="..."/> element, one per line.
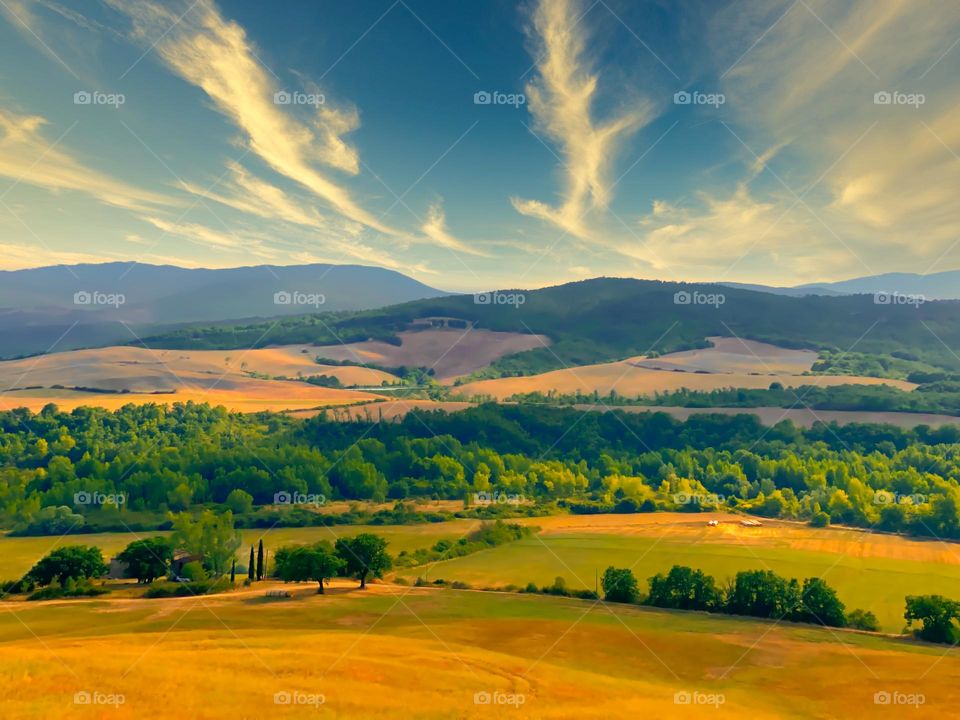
<point x="642" y="376"/>
<point x="394" y="651"/>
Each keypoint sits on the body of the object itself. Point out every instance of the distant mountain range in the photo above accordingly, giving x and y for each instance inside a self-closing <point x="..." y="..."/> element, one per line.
<point x="936" y="286"/>
<point x="607" y="319"/>
<point x="71" y="306"/>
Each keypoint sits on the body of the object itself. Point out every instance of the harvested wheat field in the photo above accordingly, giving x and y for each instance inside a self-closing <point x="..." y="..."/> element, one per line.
<point x="450" y="352"/>
<point x="112" y="377"/>
<point x="729" y="364"/>
<point x="394" y="651"/>
<point x="804" y="417"/>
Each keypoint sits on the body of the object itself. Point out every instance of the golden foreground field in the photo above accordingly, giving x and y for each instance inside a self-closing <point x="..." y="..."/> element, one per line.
<point x="403" y="652"/>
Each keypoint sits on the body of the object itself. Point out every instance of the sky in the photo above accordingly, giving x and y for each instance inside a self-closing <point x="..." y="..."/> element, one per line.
<point x="485" y="144"/>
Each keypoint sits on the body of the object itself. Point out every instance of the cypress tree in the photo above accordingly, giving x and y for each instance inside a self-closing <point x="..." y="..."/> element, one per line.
<point x="260" y="561"/>
<point x="250" y="565"/>
<point x="233" y="571"/>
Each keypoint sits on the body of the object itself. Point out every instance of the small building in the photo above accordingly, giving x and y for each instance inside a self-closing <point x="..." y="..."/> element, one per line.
<point x="181" y="558"/>
<point x="118" y="569"/>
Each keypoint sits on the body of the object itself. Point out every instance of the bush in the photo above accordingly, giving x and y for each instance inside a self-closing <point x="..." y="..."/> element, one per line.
<point x="862" y="620"/>
<point x="820" y="519"/>
<point x="69" y="589"/>
<point x="457" y="585"/>
<point x="194" y="572"/>
<point x="531" y="588"/>
<point x="173" y="589"/>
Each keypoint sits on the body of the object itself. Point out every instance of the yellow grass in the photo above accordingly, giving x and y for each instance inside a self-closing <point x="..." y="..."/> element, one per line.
<point x="395" y="652"/>
<point x="729" y="363"/>
<point x="168" y="376"/>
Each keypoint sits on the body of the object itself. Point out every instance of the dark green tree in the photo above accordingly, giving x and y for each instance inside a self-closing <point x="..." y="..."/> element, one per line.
<point x="79" y="562"/>
<point x="936" y="615"/>
<point x="619" y="585"/>
<point x="820" y="604"/>
<point x="317" y="562"/>
<point x="260" y="560"/>
<point x="147" y="559"/>
<point x="684" y="588"/>
<point x="233" y="572"/>
<point x="250" y="566"/>
<point x="363" y="555"/>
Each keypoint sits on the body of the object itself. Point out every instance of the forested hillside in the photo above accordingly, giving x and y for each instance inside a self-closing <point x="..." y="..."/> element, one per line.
<point x="192" y="455"/>
<point x="607" y="319"/>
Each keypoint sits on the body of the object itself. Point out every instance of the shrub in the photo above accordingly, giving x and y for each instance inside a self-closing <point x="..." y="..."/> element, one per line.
<point x="862" y="620"/>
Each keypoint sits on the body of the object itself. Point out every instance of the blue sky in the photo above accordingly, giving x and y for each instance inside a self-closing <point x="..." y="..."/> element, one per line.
<point x="784" y="166"/>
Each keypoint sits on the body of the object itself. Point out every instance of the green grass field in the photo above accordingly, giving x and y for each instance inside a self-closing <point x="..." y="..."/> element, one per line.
<point x="874" y="572"/>
<point x="421" y="652"/>
<point x="20" y="553"/>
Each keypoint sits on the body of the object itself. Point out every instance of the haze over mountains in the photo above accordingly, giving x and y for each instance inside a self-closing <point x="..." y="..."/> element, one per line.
<point x="67" y="307"/>
<point x="935" y="286"/>
<point x="73" y="306"/>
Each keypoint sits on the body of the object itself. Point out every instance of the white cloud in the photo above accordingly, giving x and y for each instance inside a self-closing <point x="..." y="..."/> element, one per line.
<point x="435" y="228"/>
<point x="214" y="54"/>
<point x="29" y="156"/>
<point x="561" y="99"/>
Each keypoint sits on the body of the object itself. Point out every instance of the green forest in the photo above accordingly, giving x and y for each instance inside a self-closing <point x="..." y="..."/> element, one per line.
<point x="75" y="472"/>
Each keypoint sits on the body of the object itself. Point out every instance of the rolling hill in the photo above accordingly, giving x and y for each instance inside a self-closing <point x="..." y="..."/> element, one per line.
<point x="609" y="319"/>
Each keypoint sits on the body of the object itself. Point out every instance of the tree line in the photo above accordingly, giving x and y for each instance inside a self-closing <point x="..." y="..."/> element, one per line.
<point x="61" y="472"/>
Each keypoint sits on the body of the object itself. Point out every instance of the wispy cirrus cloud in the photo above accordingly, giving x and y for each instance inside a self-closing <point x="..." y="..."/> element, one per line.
<point x="833" y="184"/>
<point x="30" y="156"/>
<point x="435" y="228"/>
<point x="561" y="99"/>
<point x="214" y="53"/>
